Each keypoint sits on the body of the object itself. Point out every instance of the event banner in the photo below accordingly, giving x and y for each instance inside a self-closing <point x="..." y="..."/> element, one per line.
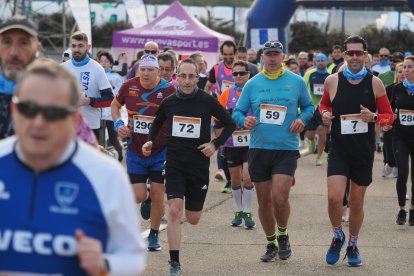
<point x="82" y="14"/>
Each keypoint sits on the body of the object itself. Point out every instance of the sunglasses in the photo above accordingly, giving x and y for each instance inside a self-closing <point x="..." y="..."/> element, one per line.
<point x="50" y="113"/>
<point x="153" y="52"/>
<point x="240" y="73"/>
<point x="273" y="44"/>
<point x="357" y="53"/>
<point x="383" y="56"/>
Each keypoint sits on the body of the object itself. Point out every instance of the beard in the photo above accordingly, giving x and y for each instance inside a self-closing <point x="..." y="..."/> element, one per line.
<point x="13" y="72"/>
<point x="78" y="56"/>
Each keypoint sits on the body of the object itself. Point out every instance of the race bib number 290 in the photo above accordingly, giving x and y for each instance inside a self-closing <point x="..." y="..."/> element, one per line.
<point x="142" y="123"/>
<point x="186" y="127"/>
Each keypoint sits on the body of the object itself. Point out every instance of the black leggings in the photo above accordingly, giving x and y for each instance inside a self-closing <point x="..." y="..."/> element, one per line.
<point x="388" y="151"/>
<point x="403" y="150"/>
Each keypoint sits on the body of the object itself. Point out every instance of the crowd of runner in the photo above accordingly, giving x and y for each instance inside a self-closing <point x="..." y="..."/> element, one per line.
<point x="164" y="118"/>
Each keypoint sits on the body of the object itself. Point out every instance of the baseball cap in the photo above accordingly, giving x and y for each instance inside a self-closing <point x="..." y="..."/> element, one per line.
<point x="272" y="46"/>
<point x="19" y="22"/>
<point x="67" y="53"/>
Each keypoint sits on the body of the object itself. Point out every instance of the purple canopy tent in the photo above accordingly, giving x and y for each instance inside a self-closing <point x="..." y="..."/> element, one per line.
<point x="174" y="28"/>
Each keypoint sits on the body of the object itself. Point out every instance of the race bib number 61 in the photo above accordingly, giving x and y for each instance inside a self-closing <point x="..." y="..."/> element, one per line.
<point x="186" y="127"/>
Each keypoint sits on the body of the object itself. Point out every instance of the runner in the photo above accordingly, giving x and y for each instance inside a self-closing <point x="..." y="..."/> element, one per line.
<point x="273" y="97"/>
<point x="236" y="149"/>
<point x="188" y="115"/>
<point x="142" y="96"/>
<point x="349" y="102"/>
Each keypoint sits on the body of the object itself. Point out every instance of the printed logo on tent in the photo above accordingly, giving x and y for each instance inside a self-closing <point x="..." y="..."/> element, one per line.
<point x="170" y="25"/>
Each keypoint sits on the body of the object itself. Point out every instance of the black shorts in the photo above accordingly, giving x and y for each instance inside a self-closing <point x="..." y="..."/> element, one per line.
<point x="358" y="169"/>
<point x="315" y="121"/>
<point x="236" y="156"/>
<point x="191" y="183"/>
<point x="265" y="163"/>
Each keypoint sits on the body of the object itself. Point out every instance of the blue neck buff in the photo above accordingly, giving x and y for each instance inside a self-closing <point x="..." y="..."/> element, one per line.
<point x="322" y="71"/>
<point x="409" y="86"/>
<point x="358" y="76"/>
<point x="384" y="63"/>
<point x="6" y="86"/>
<point x="108" y="70"/>
<point x="82" y="62"/>
<point x="238" y="88"/>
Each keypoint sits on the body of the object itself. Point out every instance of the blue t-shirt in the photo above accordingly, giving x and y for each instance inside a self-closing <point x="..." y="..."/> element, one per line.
<point x="287" y="92"/>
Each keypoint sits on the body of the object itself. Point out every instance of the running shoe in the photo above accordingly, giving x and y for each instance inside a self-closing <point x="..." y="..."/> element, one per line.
<point x="227" y="188"/>
<point x="352" y="254"/>
<point x="395" y="172"/>
<point x="401" y="217"/>
<point x="284" y="247"/>
<point x="386" y="170"/>
<point x="271" y="251"/>
<point x="334" y="251"/>
<point x="379" y="148"/>
<point x="248" y="221"/>
<point x="145" y="209"/>
<point x="154" y="242"/>
<point x="238" y="219"/>
<point x="175" y="269"/>
<point x="311" y="147"/>
<point x="319" y="161"/>
<point x="219" y="175"/>
<point x="411" y="219"/>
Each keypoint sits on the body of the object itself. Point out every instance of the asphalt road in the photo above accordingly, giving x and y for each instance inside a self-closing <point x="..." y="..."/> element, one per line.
<point x="213" y="247"/>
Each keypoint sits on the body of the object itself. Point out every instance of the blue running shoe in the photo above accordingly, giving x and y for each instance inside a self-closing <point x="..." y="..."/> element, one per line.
<point x="352" y="253"/>
<point x="248" y="221"/>
<point x="334" y="251"/>
<point x="238" y="219"/>
<point x="175" y="269"/>
<point x="146" y="209"/>
<point x="153" y="242"/>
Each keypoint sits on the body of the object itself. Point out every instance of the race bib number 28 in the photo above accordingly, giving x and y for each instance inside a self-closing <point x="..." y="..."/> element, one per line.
<point x="186" y="127"/>
<point x="406" y="117"/>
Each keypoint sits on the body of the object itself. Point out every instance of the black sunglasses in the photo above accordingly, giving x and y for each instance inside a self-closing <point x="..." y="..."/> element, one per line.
<point x="357" y="53"/>
<point x="153" y="52"/>
<point x="240" y="73"/>
<point x="50" y="113"/>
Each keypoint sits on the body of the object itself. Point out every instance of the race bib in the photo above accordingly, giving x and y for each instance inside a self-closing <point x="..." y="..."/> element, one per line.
<point x="406" y="117"/>
<point x="186" y="127"/>
<point x="225" y="84"/>
<point x="353" y="124"/>
<point x="318" y="89"/>
<point x="241" y="138"/>
<point x="272" y="114"/>
<point x="142" y="123"/>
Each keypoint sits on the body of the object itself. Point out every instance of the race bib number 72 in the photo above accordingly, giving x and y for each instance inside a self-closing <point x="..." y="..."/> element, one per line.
<point x="186" y="127"/>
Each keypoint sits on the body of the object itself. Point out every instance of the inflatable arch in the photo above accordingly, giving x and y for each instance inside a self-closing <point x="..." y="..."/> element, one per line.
<point x="268" y="19"/>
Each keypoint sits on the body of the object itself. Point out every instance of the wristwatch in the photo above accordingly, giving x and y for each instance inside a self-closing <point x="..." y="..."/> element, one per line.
<point x="374" y="117"/>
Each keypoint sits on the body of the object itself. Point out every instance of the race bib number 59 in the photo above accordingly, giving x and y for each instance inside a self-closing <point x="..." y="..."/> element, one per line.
<point x="353" y="124"/>
<point x="186" y="127"/>
<point x="272" y="114"/>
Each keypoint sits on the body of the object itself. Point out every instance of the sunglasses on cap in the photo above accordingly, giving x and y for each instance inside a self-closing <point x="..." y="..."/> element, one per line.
<point x="50" y="113"/>
<point x="240" y="73"/>
<point x="153" y="52"/>
<point x="357" y="53"/>
<point x="273" y="44"/>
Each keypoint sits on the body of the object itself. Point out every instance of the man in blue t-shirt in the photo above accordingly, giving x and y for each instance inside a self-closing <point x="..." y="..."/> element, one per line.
<point x="273" y="96"/>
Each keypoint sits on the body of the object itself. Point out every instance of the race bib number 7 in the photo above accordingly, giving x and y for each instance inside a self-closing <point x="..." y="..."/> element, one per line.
<point x="353" y="124"/>
<point x="406" y="117"/>
<point x="186" y="127"/>
<point x="272" y="114"/>
<point x="142" y="123"/>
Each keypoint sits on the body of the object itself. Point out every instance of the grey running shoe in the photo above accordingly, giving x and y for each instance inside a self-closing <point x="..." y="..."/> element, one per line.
<point x="175" y="269"/>
<point x="284" y="247"/>
<point x="248" y="221"/>
<point x="271" y="251"/>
